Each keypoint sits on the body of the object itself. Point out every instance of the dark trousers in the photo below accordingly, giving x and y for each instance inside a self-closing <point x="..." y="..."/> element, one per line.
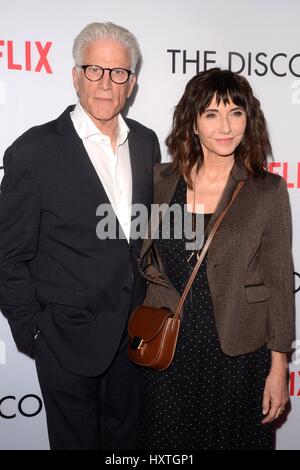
<point x="89" y="412"/>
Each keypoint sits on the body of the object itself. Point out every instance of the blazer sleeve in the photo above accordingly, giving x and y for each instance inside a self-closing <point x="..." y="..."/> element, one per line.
<point x="277" y="266"/>
<point x="20" y="211"/>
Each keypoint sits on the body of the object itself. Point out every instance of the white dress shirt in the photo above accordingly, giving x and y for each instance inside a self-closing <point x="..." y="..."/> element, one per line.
<point x="113" y="169"/>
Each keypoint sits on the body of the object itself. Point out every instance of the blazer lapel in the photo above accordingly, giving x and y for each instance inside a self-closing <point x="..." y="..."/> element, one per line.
<point x="237" y="174"/>
<point x="166" y="187"/>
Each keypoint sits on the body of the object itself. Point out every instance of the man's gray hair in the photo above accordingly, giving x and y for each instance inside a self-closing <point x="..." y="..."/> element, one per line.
<point x="94" y="31"/>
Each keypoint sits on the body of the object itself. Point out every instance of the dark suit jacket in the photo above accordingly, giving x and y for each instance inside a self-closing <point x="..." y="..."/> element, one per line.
<point x="55" y="274"/>
<point x="249" y="263"/>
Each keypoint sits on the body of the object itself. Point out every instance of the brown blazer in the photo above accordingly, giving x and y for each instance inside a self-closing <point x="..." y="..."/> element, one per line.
<point x="249" y="263"/>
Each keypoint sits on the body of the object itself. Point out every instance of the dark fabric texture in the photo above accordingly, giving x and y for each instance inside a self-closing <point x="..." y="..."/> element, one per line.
<point x="89" y="413"/>
<point x="205" y="399"/>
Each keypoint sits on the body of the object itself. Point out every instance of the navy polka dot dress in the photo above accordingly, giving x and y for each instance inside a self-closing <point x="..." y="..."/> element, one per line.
<point x="205" y="399"/>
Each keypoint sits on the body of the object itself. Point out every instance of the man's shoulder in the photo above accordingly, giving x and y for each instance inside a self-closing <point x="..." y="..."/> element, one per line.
<point x="138" y="127"/>
<point x="35" y="134"/>
<point x="41" y="133"/>
<point x="31" y="146"/>
<point x="37" y="143"/>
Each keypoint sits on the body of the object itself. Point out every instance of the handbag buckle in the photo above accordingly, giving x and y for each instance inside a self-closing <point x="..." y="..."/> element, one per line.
<point x="136" y="343"/>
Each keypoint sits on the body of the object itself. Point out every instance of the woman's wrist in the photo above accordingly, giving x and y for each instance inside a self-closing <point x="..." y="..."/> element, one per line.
<point x="279" y="360"/>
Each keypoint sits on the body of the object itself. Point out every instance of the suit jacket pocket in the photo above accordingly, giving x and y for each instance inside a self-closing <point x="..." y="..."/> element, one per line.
<point x="77" y="314"/>
<point x="76" y="305"/>
<point x="259" y="293"/>
<point x="70" y="300"/>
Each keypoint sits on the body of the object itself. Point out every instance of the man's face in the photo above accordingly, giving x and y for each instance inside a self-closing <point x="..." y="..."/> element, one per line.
<point x="104" y="99"/>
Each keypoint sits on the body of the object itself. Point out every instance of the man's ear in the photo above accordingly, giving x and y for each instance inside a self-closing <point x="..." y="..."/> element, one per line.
<point x="131" y="84"/>
<point x="75" y="78"/>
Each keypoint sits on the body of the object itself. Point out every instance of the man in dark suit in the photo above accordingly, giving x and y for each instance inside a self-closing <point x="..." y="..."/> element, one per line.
<point x="66" y="292"/>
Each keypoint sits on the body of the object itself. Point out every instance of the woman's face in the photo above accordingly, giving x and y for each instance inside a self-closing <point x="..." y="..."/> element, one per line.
<point x="221" y="128"/>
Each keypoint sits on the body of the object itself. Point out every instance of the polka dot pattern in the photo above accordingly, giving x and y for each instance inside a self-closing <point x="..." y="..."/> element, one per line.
<point x="205" y="399"/>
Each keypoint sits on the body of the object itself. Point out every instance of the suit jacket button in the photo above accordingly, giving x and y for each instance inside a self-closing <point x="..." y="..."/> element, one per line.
<point x="126" y="290"/>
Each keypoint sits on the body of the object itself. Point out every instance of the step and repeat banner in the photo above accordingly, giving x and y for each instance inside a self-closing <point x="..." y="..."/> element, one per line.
<point x="259" y="39"/>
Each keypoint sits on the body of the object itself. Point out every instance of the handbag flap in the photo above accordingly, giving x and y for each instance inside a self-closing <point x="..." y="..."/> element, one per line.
<point x="146" y="322"/>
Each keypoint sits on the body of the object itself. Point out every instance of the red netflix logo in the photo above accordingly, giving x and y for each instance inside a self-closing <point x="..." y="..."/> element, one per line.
<point x="295" y="384"/>
<point x="28" y="51"/>
<point x="291" y="175"/>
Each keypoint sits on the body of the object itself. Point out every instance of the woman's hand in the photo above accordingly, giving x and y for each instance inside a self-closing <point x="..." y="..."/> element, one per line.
<point x="276" y="393"/>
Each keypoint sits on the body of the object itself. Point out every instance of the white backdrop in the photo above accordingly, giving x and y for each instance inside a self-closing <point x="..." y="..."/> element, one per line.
<point x="259" y="39"/>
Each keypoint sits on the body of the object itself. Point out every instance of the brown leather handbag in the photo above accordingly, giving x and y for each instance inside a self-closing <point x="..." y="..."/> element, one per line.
<point x="153" y="332"/>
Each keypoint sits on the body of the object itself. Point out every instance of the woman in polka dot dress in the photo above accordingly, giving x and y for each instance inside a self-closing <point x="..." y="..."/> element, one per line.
<point x="227" y="383"/>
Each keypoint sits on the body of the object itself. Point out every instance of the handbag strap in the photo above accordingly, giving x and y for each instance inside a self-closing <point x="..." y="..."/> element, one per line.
<point x="204" y="251"/>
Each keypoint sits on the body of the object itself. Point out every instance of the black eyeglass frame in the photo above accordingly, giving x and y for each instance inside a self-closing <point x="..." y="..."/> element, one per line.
<point x="84" y="67"/>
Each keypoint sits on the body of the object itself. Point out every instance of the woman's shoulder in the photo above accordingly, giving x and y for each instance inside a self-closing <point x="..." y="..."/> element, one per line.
<point x="166" y="177"/>
<point x="270" y="181"/>
<point x="271" y="189"/>
<point x="163" y="170"/>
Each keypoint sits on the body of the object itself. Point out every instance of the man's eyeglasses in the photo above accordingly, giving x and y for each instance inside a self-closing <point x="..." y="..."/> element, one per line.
<point x="95" y="73"/>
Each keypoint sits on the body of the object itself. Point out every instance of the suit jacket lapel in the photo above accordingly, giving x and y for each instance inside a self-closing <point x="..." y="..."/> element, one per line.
<point x="134" y="160"/>
<point x="135" y="170"/>
<point x="80" y="165"/>
<point x="139" y="172"/>
<point x="78" y="161"/>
